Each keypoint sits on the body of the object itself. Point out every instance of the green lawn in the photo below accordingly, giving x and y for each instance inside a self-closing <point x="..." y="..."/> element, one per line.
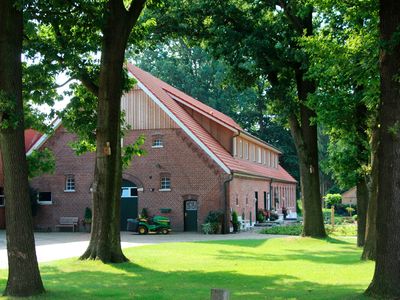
<point x="284" y="268"/>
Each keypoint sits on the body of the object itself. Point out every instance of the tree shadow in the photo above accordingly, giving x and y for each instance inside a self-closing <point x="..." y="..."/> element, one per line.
<point x="132" y="281"/>
<point x="246" y="243"/>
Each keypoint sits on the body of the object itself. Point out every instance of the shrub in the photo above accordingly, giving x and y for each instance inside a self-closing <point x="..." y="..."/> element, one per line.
<point x="341" y="230"/>
<point x="284" y="230"/>
<point x="214" y="216"/>
<point x="235" y="222"/>
<point x="273" y="216"/>
<point x="341" y="209"/>
<point x="215" y="219"/>
<point x="332" y="199"/>
<point x="337" y="230"/>
<point x="299" y="207"/>
<point x="88" y="215"/>
<point x="260" y="217"/>
<point x="350" y="210"/>
<point x="355" y="217"/>
<point x="207" y="228"/>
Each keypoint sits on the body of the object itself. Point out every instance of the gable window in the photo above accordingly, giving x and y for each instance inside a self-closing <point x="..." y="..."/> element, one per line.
<point x="157" y="143"/>
<point x="165" y="183"/>
<point x="69" y="183"/>
<point x="2" y="197"/>
<point x="44" y="198"/>
<point x="264" y="157"/>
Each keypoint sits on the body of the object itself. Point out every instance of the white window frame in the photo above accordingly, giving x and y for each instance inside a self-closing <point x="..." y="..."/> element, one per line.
<point x="44" y="202"/>
<point x="240" y="148"/>
<point x="259" y="156"/>
<point x="264" y="156"/>
<point x="158" y="142"/>
<point x="165" y="183"/>
<point x="68" y="185"/>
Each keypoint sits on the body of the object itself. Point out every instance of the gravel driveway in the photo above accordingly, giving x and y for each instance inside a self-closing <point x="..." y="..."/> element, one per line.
<point x="58" y="245"/>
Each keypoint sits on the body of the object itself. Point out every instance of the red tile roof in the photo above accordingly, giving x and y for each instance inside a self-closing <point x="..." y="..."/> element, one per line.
<point x="163" y="92"/>
<point x="31" y="137"/>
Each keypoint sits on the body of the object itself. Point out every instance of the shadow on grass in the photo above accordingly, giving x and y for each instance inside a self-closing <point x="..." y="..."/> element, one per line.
<point x="250" y="243"/>
<point x="131" y="281"/>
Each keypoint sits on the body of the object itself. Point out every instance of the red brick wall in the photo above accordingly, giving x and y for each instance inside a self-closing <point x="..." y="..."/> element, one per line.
<point x="193" y="176"/>
<point x="245" y="187"/>
<point x="65" y="204"/>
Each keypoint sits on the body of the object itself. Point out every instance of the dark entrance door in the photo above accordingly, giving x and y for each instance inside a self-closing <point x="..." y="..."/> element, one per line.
<point x="129" y="202"/>
<point x="190" y="208"/>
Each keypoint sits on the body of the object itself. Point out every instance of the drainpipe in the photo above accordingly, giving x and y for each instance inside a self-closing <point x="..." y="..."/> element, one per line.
<point x="227" y="212"/>
<point x="270" y="194"/>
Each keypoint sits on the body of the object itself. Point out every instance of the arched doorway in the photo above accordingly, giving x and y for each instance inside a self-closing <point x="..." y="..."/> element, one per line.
<point x="129" y="202"/>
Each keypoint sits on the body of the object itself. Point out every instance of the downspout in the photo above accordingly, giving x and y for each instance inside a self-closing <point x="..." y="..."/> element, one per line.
<point x="227" y="212"/>
<point x="270" y="194"/>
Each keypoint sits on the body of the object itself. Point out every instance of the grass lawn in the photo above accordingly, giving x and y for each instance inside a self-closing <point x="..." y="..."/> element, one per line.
<point x="282" y="268"/>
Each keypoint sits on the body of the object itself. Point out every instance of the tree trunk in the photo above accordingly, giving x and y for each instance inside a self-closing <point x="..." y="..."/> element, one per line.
<point x="105" y="240"/>
<point x="306" y="141"/>
<point x="385" y="283"/>
<point x="23" y="271"/>
<point x="362" y="205"/>
<point x="369" y="251"/>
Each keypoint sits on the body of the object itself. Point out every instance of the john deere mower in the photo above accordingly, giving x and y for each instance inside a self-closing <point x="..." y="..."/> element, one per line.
<point x="156" y="224"/>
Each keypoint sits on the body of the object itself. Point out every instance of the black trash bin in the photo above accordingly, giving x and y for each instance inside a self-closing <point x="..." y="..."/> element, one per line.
<point x="132" y="225"/>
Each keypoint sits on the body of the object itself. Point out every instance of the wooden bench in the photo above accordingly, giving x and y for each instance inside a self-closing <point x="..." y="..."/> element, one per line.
<point x="68" y="222"/>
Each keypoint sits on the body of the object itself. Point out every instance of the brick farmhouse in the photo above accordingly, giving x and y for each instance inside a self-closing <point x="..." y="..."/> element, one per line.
<point x="198" y="160"/>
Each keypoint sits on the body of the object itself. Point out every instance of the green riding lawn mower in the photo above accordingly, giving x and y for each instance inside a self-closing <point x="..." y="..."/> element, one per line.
<point x="156" y="224"/>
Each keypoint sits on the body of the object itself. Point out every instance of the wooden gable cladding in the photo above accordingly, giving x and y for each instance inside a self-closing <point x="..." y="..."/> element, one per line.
<point x="142" y="113"/>
<point x="221" y="134"/>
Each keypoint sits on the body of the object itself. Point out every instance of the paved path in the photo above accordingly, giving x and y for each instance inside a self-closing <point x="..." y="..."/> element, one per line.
<point x="58" y="245"/>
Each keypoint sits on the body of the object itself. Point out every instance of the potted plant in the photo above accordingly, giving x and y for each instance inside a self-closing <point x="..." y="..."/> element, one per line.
<point x="235" y="222"/>
<point x="87" y="219"/>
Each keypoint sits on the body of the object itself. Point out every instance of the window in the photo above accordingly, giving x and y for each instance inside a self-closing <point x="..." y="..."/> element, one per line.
<point x="234" y="147"/>
<point x="44" y="198"/>
<point x="1" y="196"/>
<point x="69" y="183"/>
<point x="264" y="158"/>
<point x="157" y="143"/>
<point x="246" y="150"/>
<point x="237" y="200"/>
<point x="259" y="158"/>
<point x="268" y="159"/>
<point x="165" y="183"/>
<point x="253" y="153"/>
<point x="240" y="148"/>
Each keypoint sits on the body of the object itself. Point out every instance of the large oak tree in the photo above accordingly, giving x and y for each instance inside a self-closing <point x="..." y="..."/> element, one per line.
<point x="70" y="35"/>
<point x="23" y="271"/>
<point x="260" y="39"/>
<point x="387" y="269"/>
